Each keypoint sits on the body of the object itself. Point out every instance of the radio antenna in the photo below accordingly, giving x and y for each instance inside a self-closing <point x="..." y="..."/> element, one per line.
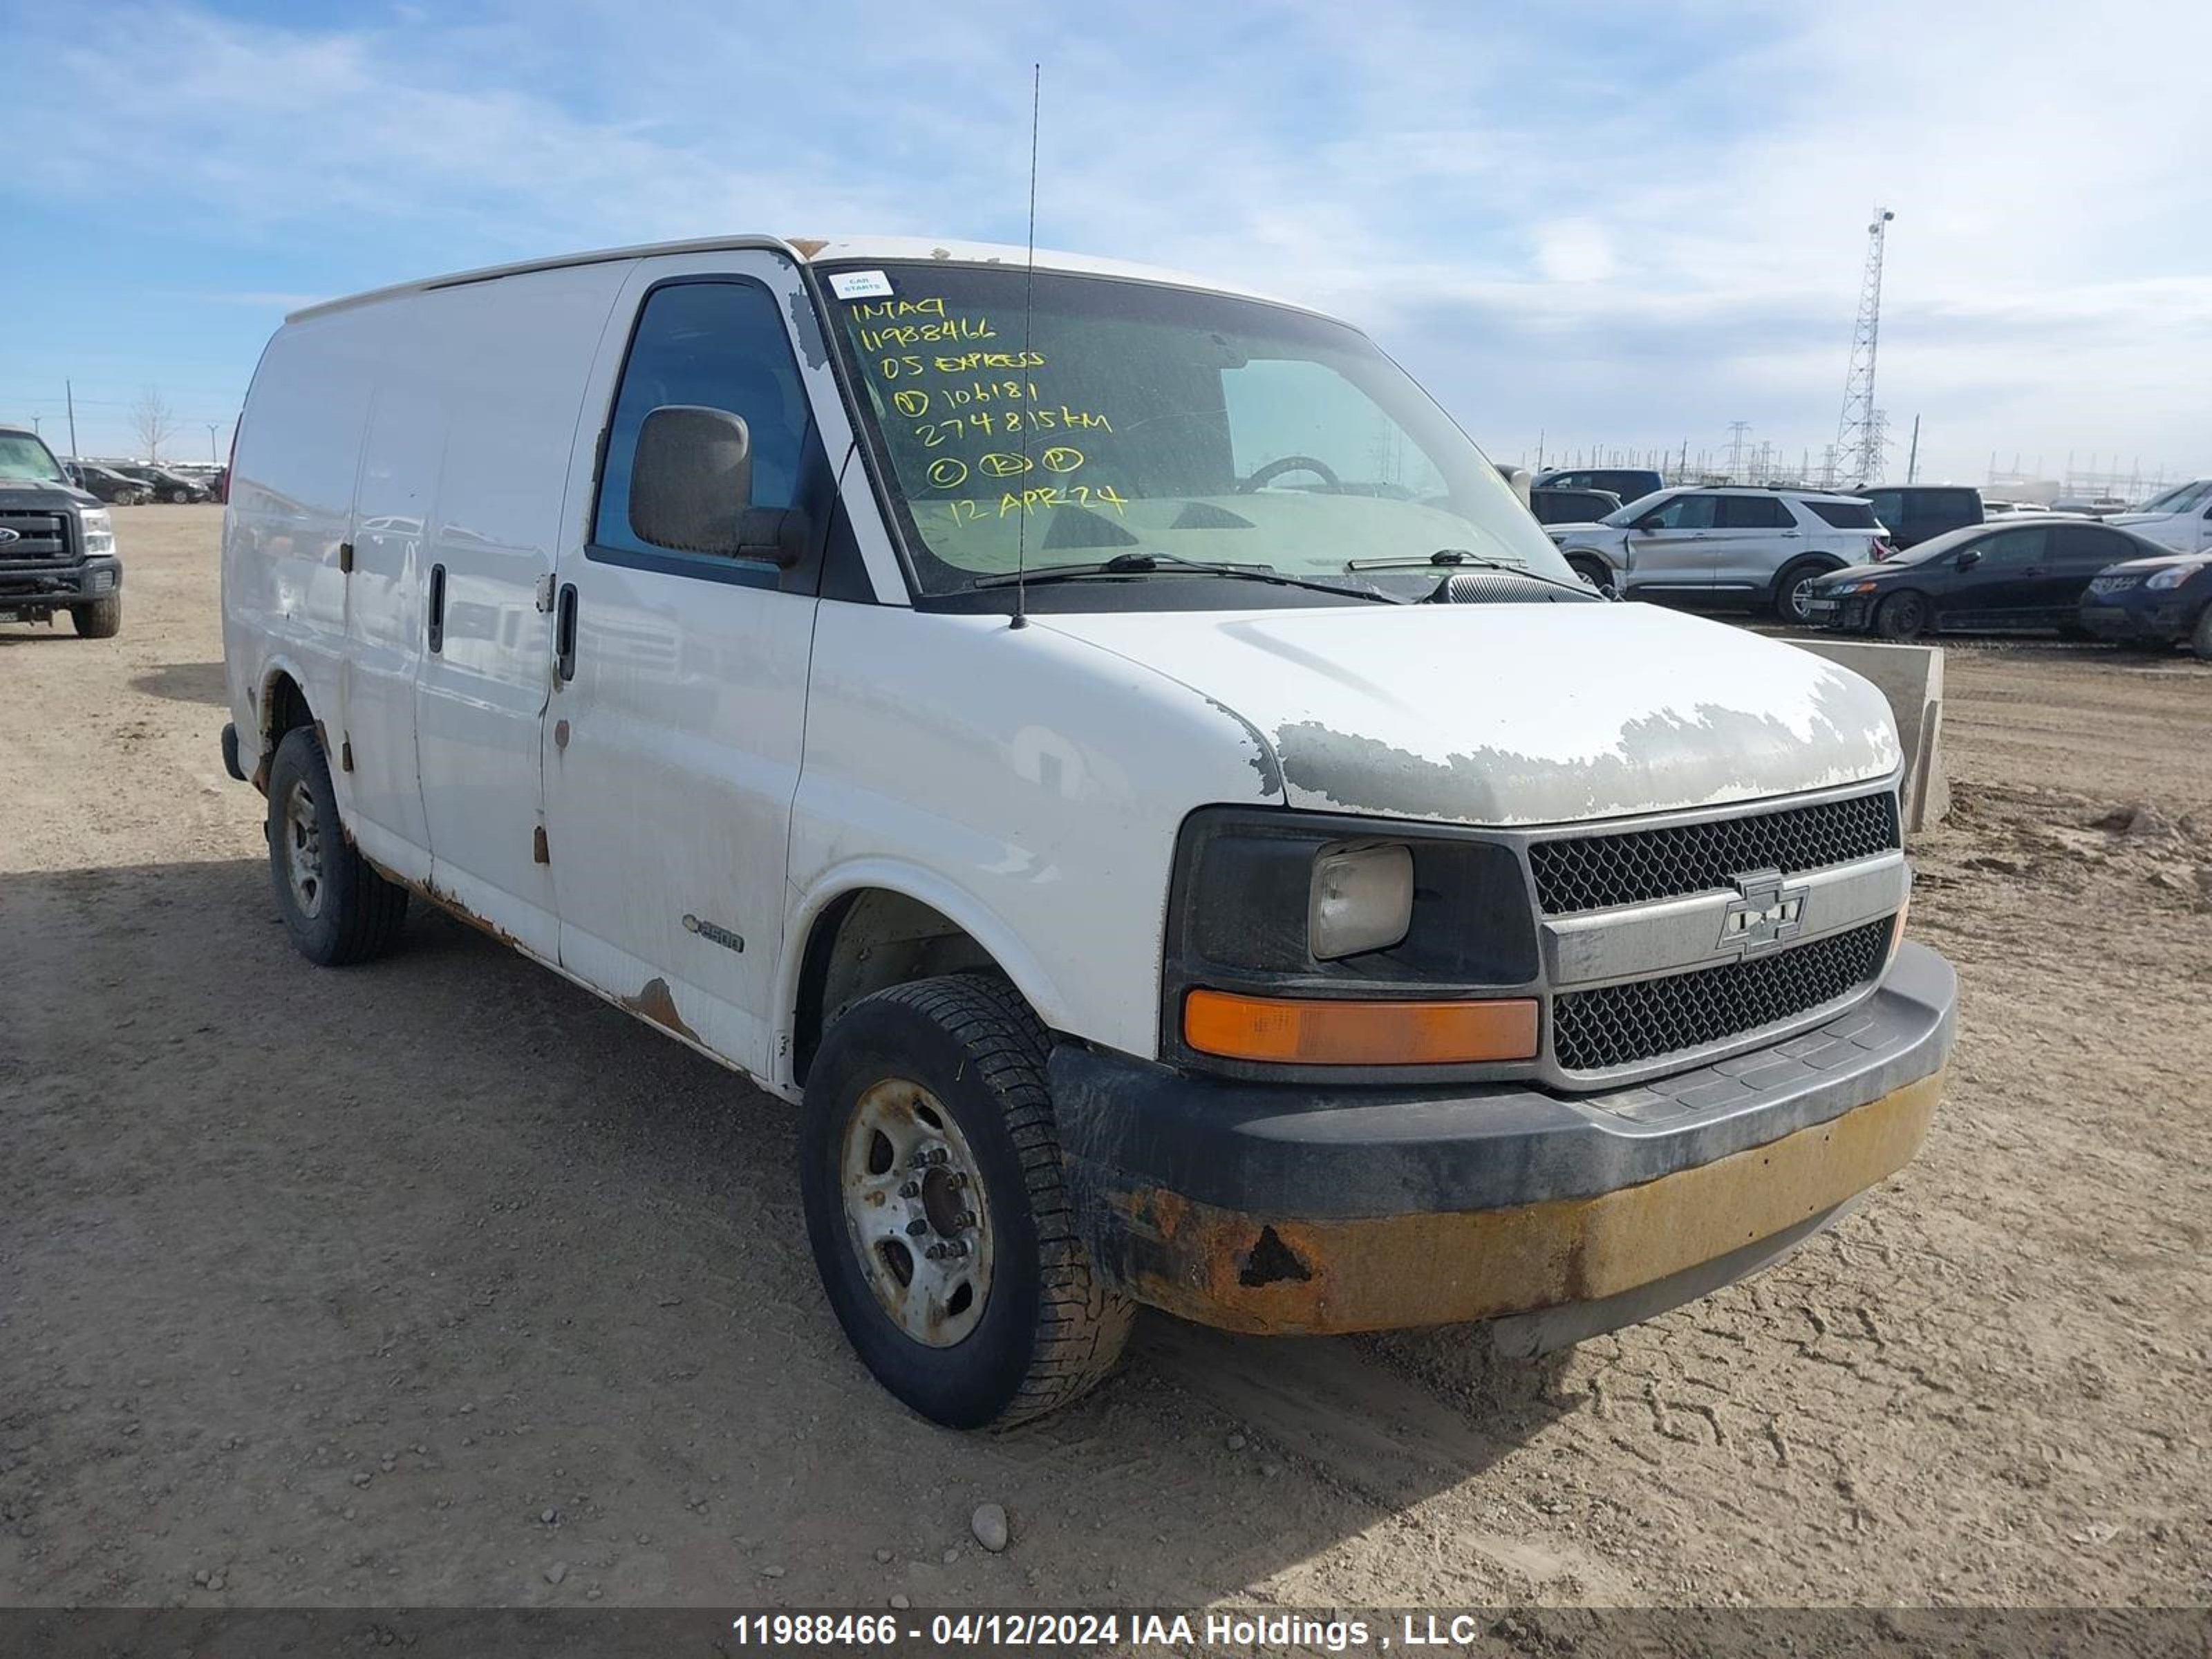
<point x="1029" y="312"/>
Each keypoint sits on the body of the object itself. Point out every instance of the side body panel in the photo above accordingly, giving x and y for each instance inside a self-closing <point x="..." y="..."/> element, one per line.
<point x="1024" y="784"/>
<point x="508" y="360"/>
<point x="291" y="511"/>
<point x="672" y="756"/>
<point x="385" y="621"/>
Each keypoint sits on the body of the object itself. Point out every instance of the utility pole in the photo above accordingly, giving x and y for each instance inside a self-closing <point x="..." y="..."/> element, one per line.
<point x="216" y="460"/>
<point x="1858" y="434"/>
<point x="1912" y="455"/>
<point x="69" y="392"/>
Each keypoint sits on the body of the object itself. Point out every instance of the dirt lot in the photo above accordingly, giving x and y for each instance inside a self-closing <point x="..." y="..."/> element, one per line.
<point x="439" y="1281"/>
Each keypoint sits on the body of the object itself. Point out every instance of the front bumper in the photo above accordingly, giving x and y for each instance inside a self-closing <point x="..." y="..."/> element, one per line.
<point x="1301" y="1210"/>
<point x="2157" y="617"/>
<point x="1853" y="613"/>
<point x="29" y="585"/>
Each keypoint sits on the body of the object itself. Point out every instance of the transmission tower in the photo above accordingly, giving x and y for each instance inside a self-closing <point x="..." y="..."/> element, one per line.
<point x="1858" y="433"/>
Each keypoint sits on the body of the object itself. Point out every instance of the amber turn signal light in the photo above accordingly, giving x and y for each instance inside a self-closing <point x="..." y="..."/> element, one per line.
<point x="1315" y="1032"/>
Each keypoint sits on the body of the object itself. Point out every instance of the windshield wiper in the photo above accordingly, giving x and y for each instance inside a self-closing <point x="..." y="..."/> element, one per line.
<point x="1458" y="558"/>
<point x="1142" y="564"/>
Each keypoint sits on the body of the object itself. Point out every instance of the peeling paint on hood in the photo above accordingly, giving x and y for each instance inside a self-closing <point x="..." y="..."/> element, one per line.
<point x="1516" y="714"/>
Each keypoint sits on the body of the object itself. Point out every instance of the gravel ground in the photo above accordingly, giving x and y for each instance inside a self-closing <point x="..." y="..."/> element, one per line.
<point x="439" y="1281"/>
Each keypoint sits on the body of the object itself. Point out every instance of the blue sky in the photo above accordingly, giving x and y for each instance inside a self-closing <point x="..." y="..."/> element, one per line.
<point x="1606" y="224"/>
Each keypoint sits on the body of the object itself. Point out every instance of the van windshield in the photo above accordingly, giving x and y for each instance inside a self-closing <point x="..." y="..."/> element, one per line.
<point x="1141" y="419"/>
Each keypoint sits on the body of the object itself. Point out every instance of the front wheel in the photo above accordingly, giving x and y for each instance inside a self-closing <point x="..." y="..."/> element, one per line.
<point x="938" y="1211"/>
<point x="1901" y="617"/>
<point x="1793" y="589"/>
<point x="2200" y="637"/>
<point x="102" y="619"/>
<point x="180" y="496"/>
<point x="1596" y="571"/>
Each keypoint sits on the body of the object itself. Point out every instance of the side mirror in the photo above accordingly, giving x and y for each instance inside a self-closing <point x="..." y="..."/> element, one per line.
<point x="1650" y="521"/>
<point x="1969" y="558"/>
<point x="691" y="488"/>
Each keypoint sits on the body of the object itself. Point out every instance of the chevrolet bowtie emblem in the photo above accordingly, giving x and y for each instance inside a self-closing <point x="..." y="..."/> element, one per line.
<point x="1766" y="914"/>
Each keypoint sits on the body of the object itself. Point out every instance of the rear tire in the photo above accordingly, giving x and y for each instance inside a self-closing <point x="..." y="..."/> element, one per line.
<point x="2200" y="637"/>
<point x="1901" y="617"/>
<point x="940" y="1213"/>
<point x="1791" y="587"/>
<point x="337" y="910"/>
<point x="102" y="619"/>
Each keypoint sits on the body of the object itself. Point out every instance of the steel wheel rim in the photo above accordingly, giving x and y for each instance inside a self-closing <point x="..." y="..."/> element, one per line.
<point x="303" y="849"/>
<point x="915" y="1212"/>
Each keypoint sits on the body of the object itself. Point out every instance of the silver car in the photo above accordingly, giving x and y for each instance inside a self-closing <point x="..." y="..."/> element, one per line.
<point x="1759" y="548"/>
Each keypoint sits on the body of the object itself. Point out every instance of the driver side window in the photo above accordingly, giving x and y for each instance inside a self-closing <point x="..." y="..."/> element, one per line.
<point x="1279" y="407"/>
<point x="1685" y="513"/>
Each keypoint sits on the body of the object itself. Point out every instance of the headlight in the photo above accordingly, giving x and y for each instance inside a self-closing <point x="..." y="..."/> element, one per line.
<point x="1298" y="939"/>
<point x="2173" y="575"/>
<point x="1362" y="899"/>
<point x="99" y="530"/>
<point x="1857" y="588"/>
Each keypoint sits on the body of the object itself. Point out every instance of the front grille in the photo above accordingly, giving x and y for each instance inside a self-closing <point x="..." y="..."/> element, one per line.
<point x="37" y="536"/>
<point x="1622" y="1025"/>
<point x="1590" y="872"/>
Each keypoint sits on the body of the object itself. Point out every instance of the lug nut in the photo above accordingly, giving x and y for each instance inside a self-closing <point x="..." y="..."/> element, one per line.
<point x="912" y="1189"/>
<point x="963" y="1221"/>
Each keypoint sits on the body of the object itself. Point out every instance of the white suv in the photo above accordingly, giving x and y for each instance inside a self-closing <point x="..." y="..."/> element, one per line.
<point x="1760" y="547"/>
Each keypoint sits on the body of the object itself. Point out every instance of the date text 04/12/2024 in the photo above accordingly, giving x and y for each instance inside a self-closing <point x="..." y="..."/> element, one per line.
<point x="1085" y="1629"/>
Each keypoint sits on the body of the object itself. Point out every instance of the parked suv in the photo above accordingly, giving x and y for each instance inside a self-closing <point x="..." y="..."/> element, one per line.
<point x="1703" y="545"/>
<point x="1626" y="482"/>
<point x="1913" y="513"/>
<point x="1571" y="506"/>
<point x="57" y="544"/>
<point x="1111" y="753"/>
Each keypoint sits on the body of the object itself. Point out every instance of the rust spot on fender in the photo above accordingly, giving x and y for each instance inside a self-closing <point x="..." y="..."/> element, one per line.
<point x="1282" y="1276"/>
<point x="657" y="1004"/>
<point x="808" y="247"/>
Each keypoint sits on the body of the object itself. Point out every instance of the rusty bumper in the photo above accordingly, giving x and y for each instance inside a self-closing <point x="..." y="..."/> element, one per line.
<point x="1365" y="1210"/>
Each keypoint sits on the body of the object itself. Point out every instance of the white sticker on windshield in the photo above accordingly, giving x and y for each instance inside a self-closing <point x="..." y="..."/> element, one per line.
<point x="859" y="284"/>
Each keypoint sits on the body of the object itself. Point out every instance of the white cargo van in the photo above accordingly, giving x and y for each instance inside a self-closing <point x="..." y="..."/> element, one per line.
<point x="1108" y="750"/>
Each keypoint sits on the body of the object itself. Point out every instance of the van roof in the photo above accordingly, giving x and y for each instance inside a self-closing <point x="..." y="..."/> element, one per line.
<point x="815" y="250"/>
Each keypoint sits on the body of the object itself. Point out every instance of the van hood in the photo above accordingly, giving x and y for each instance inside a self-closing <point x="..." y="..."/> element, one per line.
<point x="1513" y="715"/>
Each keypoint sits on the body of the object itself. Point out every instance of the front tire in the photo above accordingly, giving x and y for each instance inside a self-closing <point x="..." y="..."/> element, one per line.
<point x="1596" y="571"/>
<point x="939" y="1212"/>
<point x="102" y="619"/>
<point x="180" y="496"/>
<point x="337" y="910"/>
<point x="2200" y="637"/>
<point x="1901" y="617"/>
<point x="1793" y="588"/>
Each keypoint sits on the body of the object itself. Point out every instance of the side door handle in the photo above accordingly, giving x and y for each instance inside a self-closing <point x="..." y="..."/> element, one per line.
<point x="564" y="634"/>
<point x="437" y="609"/>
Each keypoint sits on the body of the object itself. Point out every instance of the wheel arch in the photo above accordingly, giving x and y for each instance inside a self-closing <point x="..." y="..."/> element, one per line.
<point x="872" y="925"/>
<point x="280" y="704"/>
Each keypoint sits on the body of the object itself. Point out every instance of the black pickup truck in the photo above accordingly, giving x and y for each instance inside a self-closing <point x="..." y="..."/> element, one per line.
<point x="57" y="543"/>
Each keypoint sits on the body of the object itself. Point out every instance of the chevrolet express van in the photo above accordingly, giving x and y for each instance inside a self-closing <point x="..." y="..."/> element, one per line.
<point x="1110" y="752"/>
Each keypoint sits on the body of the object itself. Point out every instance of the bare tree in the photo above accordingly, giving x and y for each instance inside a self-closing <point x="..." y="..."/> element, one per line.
<point x="154" y="423"/>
